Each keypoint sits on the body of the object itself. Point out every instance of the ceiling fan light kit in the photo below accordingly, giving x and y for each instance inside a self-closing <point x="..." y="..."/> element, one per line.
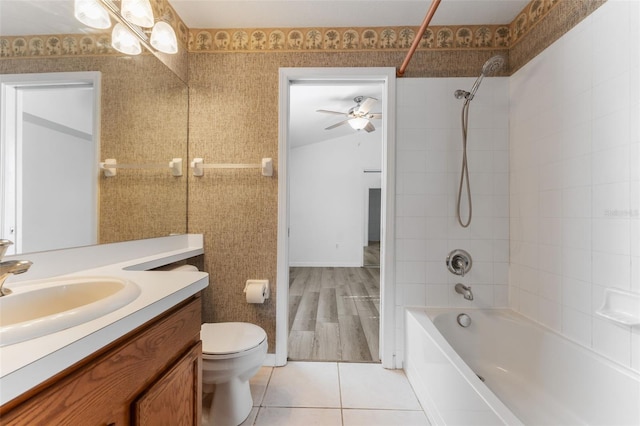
<point x="358" y="117"/>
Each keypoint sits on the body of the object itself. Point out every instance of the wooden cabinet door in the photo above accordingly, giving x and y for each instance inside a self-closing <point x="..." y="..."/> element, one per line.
<point x="175" y="398"/>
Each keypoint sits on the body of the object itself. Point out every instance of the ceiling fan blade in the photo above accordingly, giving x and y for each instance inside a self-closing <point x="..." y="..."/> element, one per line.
<point x="377" y="115"/>
<point x="337" y="125"/>
<point x="331" y="112"/>
<point x="369" y="127"/>
<point x="367" y="104"/>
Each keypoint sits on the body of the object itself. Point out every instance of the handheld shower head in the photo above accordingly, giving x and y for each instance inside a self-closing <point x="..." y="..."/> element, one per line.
<point x="492" y="66"/>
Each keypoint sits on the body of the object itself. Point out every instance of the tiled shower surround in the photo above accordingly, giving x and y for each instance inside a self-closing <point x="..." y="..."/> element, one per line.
<point x="429" y="155"/>
<point x="574" y="187"/>
<point x="554" y="158"/>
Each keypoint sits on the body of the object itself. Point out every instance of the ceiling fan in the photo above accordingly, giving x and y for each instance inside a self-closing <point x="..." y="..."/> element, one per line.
<point x="358" y="117"/>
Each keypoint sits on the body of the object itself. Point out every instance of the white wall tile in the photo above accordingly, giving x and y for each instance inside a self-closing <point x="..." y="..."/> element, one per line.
<point x="576" y="263"/>
<point x="550" y="313"/>
<point x="550" y="287"/>
<point x="411" y="250"/>
<point x="576" y="171"/>
<point x="576" y="294"/>
<point x="611" y="270"/>
<point x="611" y="165"/>
<point x="576" y="233"/>
<point x="410" y="272"/>
<point x="612" y="235"/>
<point x="501" y="296"/>
<point x="579" y="112"/>
<point x="428" y="166"/>
<point x="438" y="295"/>
<point x="576" y="202"/>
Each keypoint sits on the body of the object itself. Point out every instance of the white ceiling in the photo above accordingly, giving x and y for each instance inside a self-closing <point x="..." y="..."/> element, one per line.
<point x="341" y="13"/>
<point x="23" y="17"/>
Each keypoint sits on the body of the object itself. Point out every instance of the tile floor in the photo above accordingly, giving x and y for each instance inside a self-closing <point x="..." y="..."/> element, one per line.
<point x="333" y="394"/>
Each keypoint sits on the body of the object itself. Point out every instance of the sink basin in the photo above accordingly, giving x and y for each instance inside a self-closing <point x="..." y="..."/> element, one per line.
<point x="52" y="306"/>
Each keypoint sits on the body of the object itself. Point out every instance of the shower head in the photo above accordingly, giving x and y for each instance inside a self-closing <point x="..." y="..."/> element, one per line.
<point x="492" y="66"/>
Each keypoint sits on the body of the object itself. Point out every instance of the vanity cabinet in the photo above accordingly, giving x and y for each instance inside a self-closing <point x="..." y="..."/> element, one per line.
<point x="151" y="376"/>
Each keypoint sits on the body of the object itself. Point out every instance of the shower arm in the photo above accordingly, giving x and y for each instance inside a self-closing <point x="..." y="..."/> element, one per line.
<point x="418" y="37"/>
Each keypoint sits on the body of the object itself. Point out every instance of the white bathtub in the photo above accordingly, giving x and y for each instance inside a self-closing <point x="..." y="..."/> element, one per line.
<point x="532" y="375"/>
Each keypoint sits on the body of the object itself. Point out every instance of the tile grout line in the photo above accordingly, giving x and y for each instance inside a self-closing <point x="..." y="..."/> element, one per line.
<point x="340" y="393"/>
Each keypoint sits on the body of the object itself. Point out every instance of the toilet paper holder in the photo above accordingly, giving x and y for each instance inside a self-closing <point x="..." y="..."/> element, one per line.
<point x="265" y="283"/>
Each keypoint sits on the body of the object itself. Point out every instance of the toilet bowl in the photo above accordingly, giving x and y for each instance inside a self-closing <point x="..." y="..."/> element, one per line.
<point x="232" y="353"/>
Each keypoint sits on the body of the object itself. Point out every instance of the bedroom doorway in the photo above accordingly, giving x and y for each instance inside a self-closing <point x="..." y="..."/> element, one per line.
<point x="359" y="294"/>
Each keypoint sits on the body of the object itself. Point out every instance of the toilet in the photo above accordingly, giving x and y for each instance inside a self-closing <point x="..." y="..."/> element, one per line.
<point x="232" y="353"/>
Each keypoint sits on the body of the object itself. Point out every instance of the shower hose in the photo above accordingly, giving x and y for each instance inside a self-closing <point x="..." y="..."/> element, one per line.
<point x="464" y="172"/>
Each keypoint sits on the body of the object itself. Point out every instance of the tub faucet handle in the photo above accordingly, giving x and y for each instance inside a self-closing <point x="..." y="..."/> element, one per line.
<point x="459" y="262"/>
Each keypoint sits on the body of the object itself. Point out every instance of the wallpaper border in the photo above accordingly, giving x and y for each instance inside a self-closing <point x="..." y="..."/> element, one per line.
<point x="465" y="37"/>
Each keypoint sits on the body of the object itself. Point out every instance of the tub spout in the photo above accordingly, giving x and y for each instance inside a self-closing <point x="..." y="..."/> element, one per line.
<point x="465" y="291"/>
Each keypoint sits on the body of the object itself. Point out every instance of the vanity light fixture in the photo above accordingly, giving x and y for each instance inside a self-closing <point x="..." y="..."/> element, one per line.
<point x="164" y="38"/>
<point x="137" y="12"/>
<point x="135" y="22"/>
<point x="90" y="13"/>
<point x="124" y="41"/>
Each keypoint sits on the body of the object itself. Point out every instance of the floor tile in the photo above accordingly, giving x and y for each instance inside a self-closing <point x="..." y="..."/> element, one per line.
<point x="273" y="416"/>
<point x="383" y="418"/>
<point x="258" y="385"/>
<point x="304" y="384"/>
<point x="251" y="419"/>
<point x="371" y="386"/>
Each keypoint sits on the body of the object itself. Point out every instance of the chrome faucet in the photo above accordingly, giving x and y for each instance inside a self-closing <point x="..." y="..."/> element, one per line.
<point x="10" y="267"/>
<point x="459" y="265"/>
<point x="465" y="291"/>
<point x="459" y="262"/>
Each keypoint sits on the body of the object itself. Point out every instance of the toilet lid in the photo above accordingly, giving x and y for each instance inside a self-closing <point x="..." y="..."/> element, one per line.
<point x="230" y="337"/>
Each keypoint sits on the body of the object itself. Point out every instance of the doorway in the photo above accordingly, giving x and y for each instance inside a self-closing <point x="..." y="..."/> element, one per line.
<point x="385" y="328"/>
<point x="49" y="148"/>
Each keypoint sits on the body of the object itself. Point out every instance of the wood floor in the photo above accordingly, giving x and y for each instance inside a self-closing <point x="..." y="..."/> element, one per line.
<point x="334" y="314"/>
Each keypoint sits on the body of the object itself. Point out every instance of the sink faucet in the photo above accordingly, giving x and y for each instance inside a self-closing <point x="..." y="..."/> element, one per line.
<point x="10" y="267"/>
<point x="465" y="291"/>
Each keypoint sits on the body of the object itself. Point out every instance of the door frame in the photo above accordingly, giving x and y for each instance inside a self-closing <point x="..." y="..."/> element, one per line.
<point x="386" y="76"/>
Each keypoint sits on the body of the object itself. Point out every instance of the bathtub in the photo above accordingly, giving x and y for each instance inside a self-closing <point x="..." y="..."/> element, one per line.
<point x="506" y="369"/>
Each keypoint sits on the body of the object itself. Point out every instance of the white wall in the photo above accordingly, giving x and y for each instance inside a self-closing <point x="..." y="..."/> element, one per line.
<point x="429" y="155"/>
<point x="58" y="202"/>
<point x="575" y="170"/>
<point x="327" y="199"/>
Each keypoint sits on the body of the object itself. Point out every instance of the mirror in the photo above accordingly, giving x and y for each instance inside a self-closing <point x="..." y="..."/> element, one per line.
<point x="143" y="121"/>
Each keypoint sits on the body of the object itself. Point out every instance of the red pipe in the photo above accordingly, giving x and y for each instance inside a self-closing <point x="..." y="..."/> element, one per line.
<point x="416" y="40"/>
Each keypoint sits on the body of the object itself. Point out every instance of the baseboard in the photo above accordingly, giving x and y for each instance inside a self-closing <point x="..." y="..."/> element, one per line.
<point x="270" y="361"/>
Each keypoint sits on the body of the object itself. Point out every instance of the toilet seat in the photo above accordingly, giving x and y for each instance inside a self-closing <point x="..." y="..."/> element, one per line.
<point x="230" y="339"/>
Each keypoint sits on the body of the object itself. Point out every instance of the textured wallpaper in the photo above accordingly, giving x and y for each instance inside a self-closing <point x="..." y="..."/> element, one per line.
<point x="143" y="121"/>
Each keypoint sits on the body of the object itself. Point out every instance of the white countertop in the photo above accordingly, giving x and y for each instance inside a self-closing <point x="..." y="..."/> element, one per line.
<point x="26" y="364"/>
